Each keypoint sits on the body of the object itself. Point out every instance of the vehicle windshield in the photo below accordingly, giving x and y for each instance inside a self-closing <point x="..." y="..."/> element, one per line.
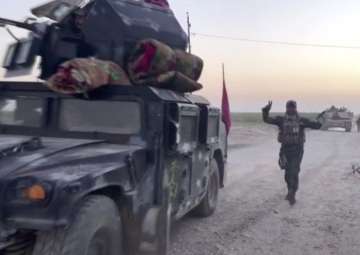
<point x="26" y="112"/>
<point x="112" y="117"/>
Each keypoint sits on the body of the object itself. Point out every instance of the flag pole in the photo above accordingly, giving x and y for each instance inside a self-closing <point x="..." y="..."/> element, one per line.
<point x="223" y="72"/>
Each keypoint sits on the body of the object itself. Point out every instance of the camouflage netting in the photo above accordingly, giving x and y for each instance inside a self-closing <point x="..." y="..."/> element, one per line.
<point x="156" y="64"/>
<point x="85" y="74"/>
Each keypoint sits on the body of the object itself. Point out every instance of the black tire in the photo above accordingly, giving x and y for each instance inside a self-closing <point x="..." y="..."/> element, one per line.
<point x="96" y="230"/>
<point x="208" y="205"/>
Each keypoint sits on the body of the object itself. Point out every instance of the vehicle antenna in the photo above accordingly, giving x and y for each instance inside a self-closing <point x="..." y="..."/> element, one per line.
<point x="189" y="30"/>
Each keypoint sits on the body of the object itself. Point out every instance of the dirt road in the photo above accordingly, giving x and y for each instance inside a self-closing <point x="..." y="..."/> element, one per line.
<point x="253" y="217"/>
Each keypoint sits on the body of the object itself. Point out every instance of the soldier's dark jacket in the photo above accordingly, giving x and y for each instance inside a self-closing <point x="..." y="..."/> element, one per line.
<point x="282" y="121"/>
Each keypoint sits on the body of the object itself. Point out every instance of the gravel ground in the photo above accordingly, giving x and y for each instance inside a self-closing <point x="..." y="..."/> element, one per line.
<point x="253" y="217"/>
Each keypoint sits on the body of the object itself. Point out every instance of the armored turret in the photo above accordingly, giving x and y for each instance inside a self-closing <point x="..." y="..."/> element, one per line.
<point x="106" y="29"/>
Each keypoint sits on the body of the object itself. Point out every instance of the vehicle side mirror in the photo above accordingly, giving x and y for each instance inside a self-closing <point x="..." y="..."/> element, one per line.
<point x="183" y="128"/>
<point x="209" y="125"/>
<point x="213" y="126"/>
<point x="172" y="137"/>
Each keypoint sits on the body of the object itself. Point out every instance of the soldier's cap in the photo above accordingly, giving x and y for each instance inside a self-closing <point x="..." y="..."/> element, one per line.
<point x="291" y="104"/>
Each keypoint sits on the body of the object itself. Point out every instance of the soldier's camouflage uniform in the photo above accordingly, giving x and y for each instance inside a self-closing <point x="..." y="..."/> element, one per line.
<point x="292" y="139"/>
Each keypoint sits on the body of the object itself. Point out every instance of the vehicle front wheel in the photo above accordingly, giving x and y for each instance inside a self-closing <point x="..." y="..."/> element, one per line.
<point x="208" y="205"/>
<point x="96" y="230"/>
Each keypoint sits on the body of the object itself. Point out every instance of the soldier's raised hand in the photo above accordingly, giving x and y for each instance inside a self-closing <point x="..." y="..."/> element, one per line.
<point x="268" y="106"/>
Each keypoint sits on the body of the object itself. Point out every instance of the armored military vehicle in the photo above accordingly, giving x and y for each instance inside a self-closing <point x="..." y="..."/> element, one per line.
<point x="73" y="178"/>
<point x="107" y="172"/>
<point x="336" y="118"/>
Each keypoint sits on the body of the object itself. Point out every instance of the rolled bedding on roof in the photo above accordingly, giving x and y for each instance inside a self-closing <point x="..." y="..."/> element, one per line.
<point x="81" y="75"/>
<point x="153" y="62"/>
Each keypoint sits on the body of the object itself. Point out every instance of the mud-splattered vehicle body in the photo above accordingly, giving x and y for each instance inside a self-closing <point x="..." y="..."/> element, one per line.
<point x="336" y="118"/>
<point x="105" y="174"/>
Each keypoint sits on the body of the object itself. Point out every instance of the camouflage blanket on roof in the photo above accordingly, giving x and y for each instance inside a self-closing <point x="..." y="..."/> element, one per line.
<point x="153" y="63"/>
<point x="177" y="81"/>
<point x="150" y="59"/>
<point x="189" y="65"/>
<point x="81" y="75"/>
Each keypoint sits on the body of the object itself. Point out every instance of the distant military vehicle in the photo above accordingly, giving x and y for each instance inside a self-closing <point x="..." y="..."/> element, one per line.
<point x="104" y="173"/>
<point x="336" y="118"/>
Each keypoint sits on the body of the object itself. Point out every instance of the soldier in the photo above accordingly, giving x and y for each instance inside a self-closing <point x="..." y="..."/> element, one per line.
<point x="292" y="139"/>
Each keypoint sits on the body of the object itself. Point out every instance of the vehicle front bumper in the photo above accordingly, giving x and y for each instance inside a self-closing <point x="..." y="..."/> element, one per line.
<point x="5" y="235"/>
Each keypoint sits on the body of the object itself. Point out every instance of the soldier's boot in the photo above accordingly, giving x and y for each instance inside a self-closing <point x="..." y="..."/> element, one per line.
<point x="287" y="196"/>
<point x="291" y="197"/>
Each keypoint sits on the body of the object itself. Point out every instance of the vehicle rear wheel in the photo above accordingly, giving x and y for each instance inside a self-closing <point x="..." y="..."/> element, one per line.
<point x="208" y="205"/>
<point x="96" y="230"/>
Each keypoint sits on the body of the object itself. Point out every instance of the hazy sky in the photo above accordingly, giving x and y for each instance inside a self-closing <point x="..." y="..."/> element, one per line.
<point x="316" y="77"/>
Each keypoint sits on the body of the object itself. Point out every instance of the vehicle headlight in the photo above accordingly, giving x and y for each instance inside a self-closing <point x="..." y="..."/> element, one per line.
<point x="28" y="190"/>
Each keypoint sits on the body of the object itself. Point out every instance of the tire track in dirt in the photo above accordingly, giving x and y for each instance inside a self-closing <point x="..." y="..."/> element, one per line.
<point x="269" y="205"/>
<point x="336" y="212"/>
<point x="290" y="224"/>
<point x="235" y="220"/>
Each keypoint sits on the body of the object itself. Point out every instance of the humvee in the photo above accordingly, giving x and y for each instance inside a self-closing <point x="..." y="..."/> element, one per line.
<point x="104" y="173"/>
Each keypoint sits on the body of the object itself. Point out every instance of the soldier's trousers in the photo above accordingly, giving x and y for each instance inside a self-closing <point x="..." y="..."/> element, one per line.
<point x="293" y="156"/>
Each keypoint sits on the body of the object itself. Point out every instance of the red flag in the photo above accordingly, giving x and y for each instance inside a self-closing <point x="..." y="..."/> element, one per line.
<point x="225" y="106"/>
